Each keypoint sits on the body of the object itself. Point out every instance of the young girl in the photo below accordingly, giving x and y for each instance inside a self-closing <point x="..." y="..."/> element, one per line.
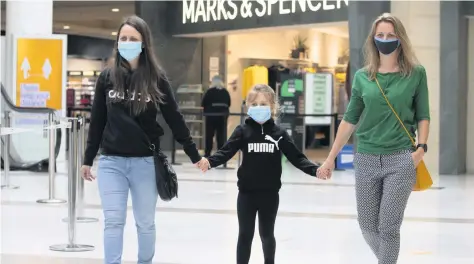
<point x="262" y="143"/>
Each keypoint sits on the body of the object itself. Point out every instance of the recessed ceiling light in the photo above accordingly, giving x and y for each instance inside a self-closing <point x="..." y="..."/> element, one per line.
<point x="114" y="33"/>
<point x="115" y="10"/>
<point x="66" y="27"/>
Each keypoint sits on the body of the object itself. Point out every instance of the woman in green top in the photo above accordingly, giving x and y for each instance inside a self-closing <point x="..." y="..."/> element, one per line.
<point x="385" y="160"/>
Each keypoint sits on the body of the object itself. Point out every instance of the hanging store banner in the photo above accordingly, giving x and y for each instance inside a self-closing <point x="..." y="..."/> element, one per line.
<point x="39" y="71"/>
<point x="200" y="16"/>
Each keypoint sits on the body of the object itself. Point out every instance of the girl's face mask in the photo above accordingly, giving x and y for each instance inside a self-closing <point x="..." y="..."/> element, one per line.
<point x="260" y="114"/>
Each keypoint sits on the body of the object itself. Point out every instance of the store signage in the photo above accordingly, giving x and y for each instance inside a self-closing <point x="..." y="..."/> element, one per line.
<point x="201" y="11"/>
<point x="318" y="98"/>
<point x="39" y="70"/>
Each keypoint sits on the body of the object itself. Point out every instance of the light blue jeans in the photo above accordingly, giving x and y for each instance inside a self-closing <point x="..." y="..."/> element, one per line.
<point x="115" y="177"/>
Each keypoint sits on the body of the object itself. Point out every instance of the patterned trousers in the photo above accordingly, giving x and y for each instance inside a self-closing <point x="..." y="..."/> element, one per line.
<point x="383" y="185"/>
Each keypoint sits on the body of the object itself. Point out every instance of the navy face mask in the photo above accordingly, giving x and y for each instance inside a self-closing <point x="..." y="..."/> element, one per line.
<point x="386" y="46"/>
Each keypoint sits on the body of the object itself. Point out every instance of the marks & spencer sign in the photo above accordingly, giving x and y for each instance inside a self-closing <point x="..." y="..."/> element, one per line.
<point x="199" y="16"/>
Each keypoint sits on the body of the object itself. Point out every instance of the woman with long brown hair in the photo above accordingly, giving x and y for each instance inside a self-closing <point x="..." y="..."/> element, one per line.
<point x="385" y="161"/>
<point x="127" y="98"/>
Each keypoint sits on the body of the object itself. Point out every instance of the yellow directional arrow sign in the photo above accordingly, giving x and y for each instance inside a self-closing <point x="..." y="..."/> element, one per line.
<point x="40" y="71"/>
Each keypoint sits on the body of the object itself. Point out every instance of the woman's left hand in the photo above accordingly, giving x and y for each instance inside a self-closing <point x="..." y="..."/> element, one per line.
<point x="417" y="156"/>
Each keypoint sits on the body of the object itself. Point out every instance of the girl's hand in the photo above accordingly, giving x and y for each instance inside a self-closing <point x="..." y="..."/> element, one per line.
<point x="325" y="170"/>
<point x="203" y="165"/>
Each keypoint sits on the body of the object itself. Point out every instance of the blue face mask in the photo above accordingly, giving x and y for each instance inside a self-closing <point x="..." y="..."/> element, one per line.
<point x="129" y="50"/>
<point x="260" y="114"/>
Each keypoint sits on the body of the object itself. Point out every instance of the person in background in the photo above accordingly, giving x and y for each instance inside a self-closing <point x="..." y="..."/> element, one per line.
<point x="262" y="143"/>
<point x="216" y="103"/>
<point x="127" y="97"/>
<point x="385" y="162"/>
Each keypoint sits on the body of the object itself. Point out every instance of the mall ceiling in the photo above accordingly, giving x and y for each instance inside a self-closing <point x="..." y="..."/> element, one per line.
<point x="88" y="18"/>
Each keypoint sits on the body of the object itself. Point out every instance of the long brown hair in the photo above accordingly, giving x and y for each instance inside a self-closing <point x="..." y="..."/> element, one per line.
<point x="148" y="74"/>
<point x="406" y="57"/>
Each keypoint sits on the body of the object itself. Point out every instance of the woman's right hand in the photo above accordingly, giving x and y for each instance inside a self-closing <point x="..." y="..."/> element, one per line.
<point x="86" y="173"/>
<point x="325" y="170"/>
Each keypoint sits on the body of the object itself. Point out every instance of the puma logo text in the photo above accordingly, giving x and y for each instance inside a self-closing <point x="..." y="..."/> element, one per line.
<point x="261" y="147"/>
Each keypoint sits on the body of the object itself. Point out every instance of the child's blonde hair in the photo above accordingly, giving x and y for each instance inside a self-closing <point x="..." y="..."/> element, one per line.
<point x="268" y="92"/>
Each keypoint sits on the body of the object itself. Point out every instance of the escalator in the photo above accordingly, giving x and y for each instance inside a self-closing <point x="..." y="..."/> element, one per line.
<point x="40" y="161"/>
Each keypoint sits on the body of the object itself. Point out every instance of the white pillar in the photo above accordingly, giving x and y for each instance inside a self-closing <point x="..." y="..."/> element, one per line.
<point x="415" y="15"/>
<point x="25" y="17"/>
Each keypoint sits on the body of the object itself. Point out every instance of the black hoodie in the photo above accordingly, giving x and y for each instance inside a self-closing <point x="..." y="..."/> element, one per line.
<point x="120" y="133"/>
<point x="262" y="147"/>
<point x="216" y="100"/>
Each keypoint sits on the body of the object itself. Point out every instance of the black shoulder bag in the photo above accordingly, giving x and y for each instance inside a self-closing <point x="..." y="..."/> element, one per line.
<point x="166" y="179"/>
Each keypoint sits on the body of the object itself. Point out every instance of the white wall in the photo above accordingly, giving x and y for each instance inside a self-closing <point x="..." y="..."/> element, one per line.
<point x="74" y="64"/>
<point x="426" y="44"/>
<point x="326" y="48"/>
<point x="470" y="100"/>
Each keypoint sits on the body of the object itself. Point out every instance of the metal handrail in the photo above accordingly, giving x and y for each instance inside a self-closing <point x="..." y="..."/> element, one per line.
<point x="32" y="110"/>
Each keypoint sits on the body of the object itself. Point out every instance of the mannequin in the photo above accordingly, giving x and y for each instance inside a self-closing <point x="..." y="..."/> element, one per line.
<point x="216" y="103"/>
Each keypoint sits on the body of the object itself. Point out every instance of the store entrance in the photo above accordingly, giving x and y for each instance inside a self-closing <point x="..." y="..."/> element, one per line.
<point x="306" y="65"/>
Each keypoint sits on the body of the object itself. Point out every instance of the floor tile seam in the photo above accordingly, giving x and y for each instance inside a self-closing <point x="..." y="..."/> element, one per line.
<point x="288" y="214"/>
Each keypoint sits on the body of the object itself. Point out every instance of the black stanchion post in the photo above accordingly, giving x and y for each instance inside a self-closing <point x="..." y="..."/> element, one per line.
<point x="335" y="117"/>
<point x="224" y="167"/>
<point x="242" y="107"/>
<point x="173" y="153"/>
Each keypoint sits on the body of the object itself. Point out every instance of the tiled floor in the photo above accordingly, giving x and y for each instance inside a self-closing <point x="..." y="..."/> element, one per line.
<point x="316" y="223"/>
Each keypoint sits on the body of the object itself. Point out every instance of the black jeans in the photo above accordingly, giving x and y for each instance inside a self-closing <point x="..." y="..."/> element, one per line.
<point x="248" y="205"/>
<point x="215" y="125"/>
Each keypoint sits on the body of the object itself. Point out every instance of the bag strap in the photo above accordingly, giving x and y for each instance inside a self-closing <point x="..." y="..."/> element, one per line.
<point x="395" y="113"/>
<point x="151" y="146"/>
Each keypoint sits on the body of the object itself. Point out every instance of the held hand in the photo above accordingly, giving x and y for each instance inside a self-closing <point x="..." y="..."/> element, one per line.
<point x="417" y="156"/>
<point x="203" y="165"/>
<point x="325" y="170"/>
<point x="86" y="173"/>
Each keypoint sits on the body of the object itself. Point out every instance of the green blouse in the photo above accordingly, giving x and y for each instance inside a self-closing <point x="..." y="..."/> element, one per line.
<point x="379" y="131"/>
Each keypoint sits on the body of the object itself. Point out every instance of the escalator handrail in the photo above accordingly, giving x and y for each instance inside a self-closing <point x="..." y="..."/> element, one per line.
<point x="34" y="110"/>
<point x="20" y="109"/>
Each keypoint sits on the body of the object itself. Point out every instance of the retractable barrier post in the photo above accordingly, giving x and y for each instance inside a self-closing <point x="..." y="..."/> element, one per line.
<point x="52" y="164"/>
<point x="80" y="181"/>
<point x="332" y="129"/>
<point x="71" y="246"/>
<point x="173" y="152"/>
<point x="333" y="132"/>
<point x="6" y="154"/>
<point x="224" y="167"/>
<point x="242" y="107"/>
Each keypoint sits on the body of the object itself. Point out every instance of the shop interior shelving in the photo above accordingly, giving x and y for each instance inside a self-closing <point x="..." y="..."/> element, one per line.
<point x="83" y="83"/>
<point x="189" y="97"/>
